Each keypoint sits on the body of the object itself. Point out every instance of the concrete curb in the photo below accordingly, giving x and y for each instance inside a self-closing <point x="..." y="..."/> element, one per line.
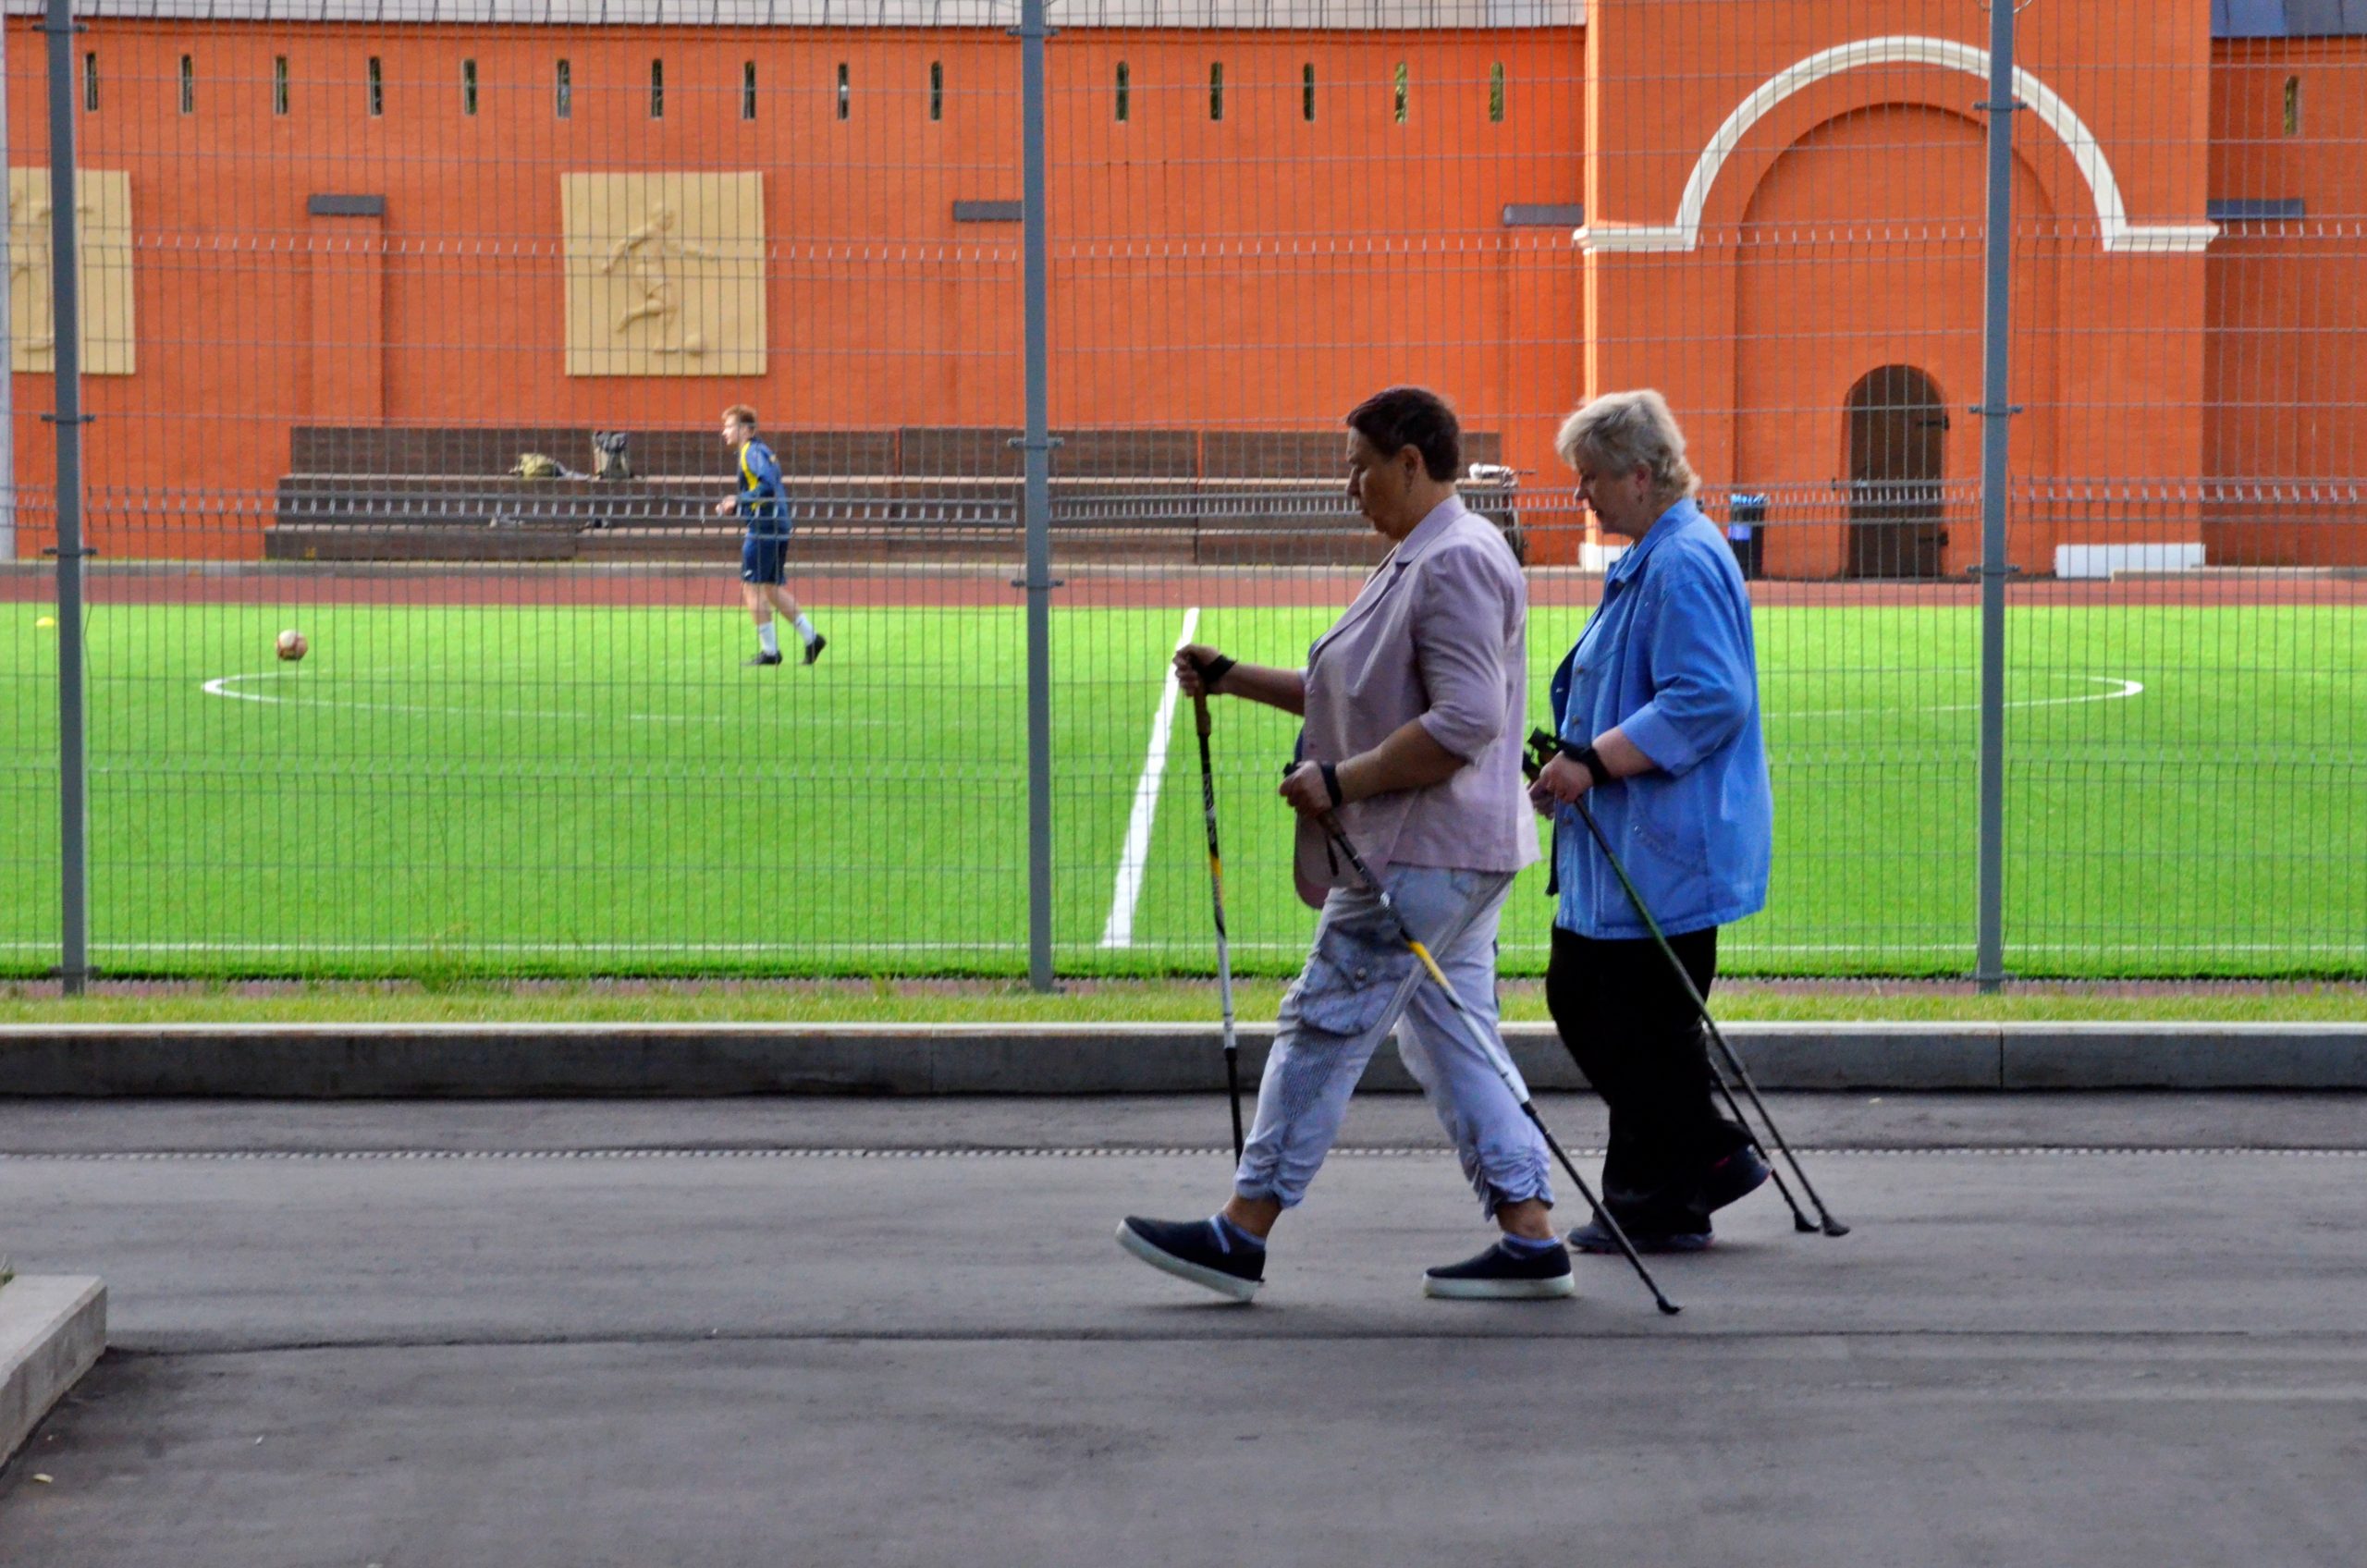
<point x="52" y="1330"/>
<point x="365" y="1061"/>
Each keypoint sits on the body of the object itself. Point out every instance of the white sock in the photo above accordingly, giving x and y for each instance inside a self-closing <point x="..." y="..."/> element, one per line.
<point x="767" y="639"/>
<point x="805" y="628"/>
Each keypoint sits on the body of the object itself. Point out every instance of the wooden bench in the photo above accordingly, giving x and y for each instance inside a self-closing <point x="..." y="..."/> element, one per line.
<point x="1178" y="497"/>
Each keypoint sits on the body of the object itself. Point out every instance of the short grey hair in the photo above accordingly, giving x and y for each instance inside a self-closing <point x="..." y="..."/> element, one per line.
<point x="1624" y="431"/>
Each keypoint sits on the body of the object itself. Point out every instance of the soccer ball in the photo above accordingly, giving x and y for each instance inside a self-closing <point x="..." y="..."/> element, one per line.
<point x="292" y="645"/>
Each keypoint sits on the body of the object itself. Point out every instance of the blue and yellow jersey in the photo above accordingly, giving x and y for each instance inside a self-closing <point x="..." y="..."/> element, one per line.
<point x="764" y="504"/>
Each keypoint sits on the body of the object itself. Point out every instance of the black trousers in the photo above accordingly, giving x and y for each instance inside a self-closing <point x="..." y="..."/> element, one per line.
<point x="1635" y="1036"/>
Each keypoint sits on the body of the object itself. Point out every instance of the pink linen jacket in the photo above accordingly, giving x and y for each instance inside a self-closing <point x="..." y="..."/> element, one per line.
<point x="1438" y="633"/>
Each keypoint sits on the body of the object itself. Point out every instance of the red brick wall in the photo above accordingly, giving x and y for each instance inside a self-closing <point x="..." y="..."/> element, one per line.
<point x="1259" y="270"/>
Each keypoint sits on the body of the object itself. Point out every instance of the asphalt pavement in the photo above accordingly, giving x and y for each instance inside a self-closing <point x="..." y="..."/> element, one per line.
<point x="2100" y="1329"/>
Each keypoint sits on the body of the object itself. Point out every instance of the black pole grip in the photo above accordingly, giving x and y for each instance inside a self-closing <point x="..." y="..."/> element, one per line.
<point x="1543" y="747"/>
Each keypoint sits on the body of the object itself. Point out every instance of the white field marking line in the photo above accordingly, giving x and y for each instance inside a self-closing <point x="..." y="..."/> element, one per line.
<point x="2128" y="689"/>
<point x="1134" y="858"/>
<point x="220" y="687"/>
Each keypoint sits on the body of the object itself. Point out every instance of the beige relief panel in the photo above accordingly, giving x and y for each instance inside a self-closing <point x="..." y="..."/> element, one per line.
<point x="103" y="231"/>
<point x="665" y="274"/>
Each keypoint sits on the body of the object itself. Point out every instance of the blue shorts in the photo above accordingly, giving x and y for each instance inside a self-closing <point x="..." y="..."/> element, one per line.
<point x="764" y="557"/>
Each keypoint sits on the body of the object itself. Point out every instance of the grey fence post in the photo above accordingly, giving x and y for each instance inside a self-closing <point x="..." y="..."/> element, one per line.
<point x="1037" y="503"/>
<point x="1997" y="417"/>
<point x="66" y="333"/>
<point x="8" y="349"/>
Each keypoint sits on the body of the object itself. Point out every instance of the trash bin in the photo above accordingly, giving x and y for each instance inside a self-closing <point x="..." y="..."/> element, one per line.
<point x="1747" y="531"/>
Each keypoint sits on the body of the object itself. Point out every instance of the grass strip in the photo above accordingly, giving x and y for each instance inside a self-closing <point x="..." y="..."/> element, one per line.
<point x="1108" y="1002"/>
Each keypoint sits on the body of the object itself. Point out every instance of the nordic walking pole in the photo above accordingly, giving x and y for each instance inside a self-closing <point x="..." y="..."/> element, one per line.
<point x="1545" y="745"/>
<point x="1831" y="1226"/>
<point x="1496" y="1058"/>
<point x="1216" y="897"/>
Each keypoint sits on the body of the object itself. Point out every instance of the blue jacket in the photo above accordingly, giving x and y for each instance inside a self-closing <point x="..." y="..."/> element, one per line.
<point x="764" y="504"/>
<point x="1668" y="659"/>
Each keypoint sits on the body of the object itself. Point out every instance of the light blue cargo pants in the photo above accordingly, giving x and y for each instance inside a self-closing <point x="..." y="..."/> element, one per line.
<point x="1360" y="981"/>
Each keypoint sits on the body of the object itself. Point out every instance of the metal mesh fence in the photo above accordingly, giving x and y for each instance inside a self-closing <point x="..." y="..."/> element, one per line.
<point x="412" y="332"/>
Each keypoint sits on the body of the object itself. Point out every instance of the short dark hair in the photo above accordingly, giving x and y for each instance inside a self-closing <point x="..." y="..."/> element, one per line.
<point x="1416" y="416"/>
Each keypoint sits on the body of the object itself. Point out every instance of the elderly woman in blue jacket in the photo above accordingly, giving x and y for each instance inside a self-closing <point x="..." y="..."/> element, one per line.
<point x="1657" y="709"/>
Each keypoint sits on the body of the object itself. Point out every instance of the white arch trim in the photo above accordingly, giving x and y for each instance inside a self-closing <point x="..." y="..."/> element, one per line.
<point x="2118" y="233"/>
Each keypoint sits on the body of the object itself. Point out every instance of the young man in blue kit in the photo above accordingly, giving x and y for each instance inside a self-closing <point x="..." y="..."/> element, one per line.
<point x="763" y="506"/>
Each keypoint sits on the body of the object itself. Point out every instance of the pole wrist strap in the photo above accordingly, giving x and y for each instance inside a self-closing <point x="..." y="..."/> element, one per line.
<point x="1546" y="744"/>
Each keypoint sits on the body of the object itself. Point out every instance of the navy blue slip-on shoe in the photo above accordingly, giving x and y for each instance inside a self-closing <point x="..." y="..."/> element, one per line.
<point x="814" y="649"/>
<point x="1190" y="1249"/>
<point x="1593" y="1237"/>
<point x="1501" y="1274"/>
<point x="1734" y="1178"/>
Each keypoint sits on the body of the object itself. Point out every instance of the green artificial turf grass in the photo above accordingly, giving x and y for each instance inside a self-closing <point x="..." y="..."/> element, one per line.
<point x="2208" y="823"/>
<point x="446" y="791"/>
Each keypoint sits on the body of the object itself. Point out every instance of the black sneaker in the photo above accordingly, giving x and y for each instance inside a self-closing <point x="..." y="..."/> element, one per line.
<point x="814" y="649"/>
<point x="1501" y="1274"/>
<point x="762" y="659"/>
<point x="1595" y="1237"/>
<point x="1190" y="1249"/>
<point x="1734" y="1178"/>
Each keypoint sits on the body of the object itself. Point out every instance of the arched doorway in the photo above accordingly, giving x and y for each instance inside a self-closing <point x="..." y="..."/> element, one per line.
<point x="1898" y="431"/>
<point x="1813" y="313"/>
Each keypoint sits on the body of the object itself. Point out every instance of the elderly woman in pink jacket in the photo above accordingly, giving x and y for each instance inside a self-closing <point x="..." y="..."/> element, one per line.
<point x="1413" y="702"/>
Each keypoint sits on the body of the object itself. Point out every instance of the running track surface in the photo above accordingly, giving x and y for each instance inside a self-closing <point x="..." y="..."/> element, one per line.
<point x="1088" y="587"/>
